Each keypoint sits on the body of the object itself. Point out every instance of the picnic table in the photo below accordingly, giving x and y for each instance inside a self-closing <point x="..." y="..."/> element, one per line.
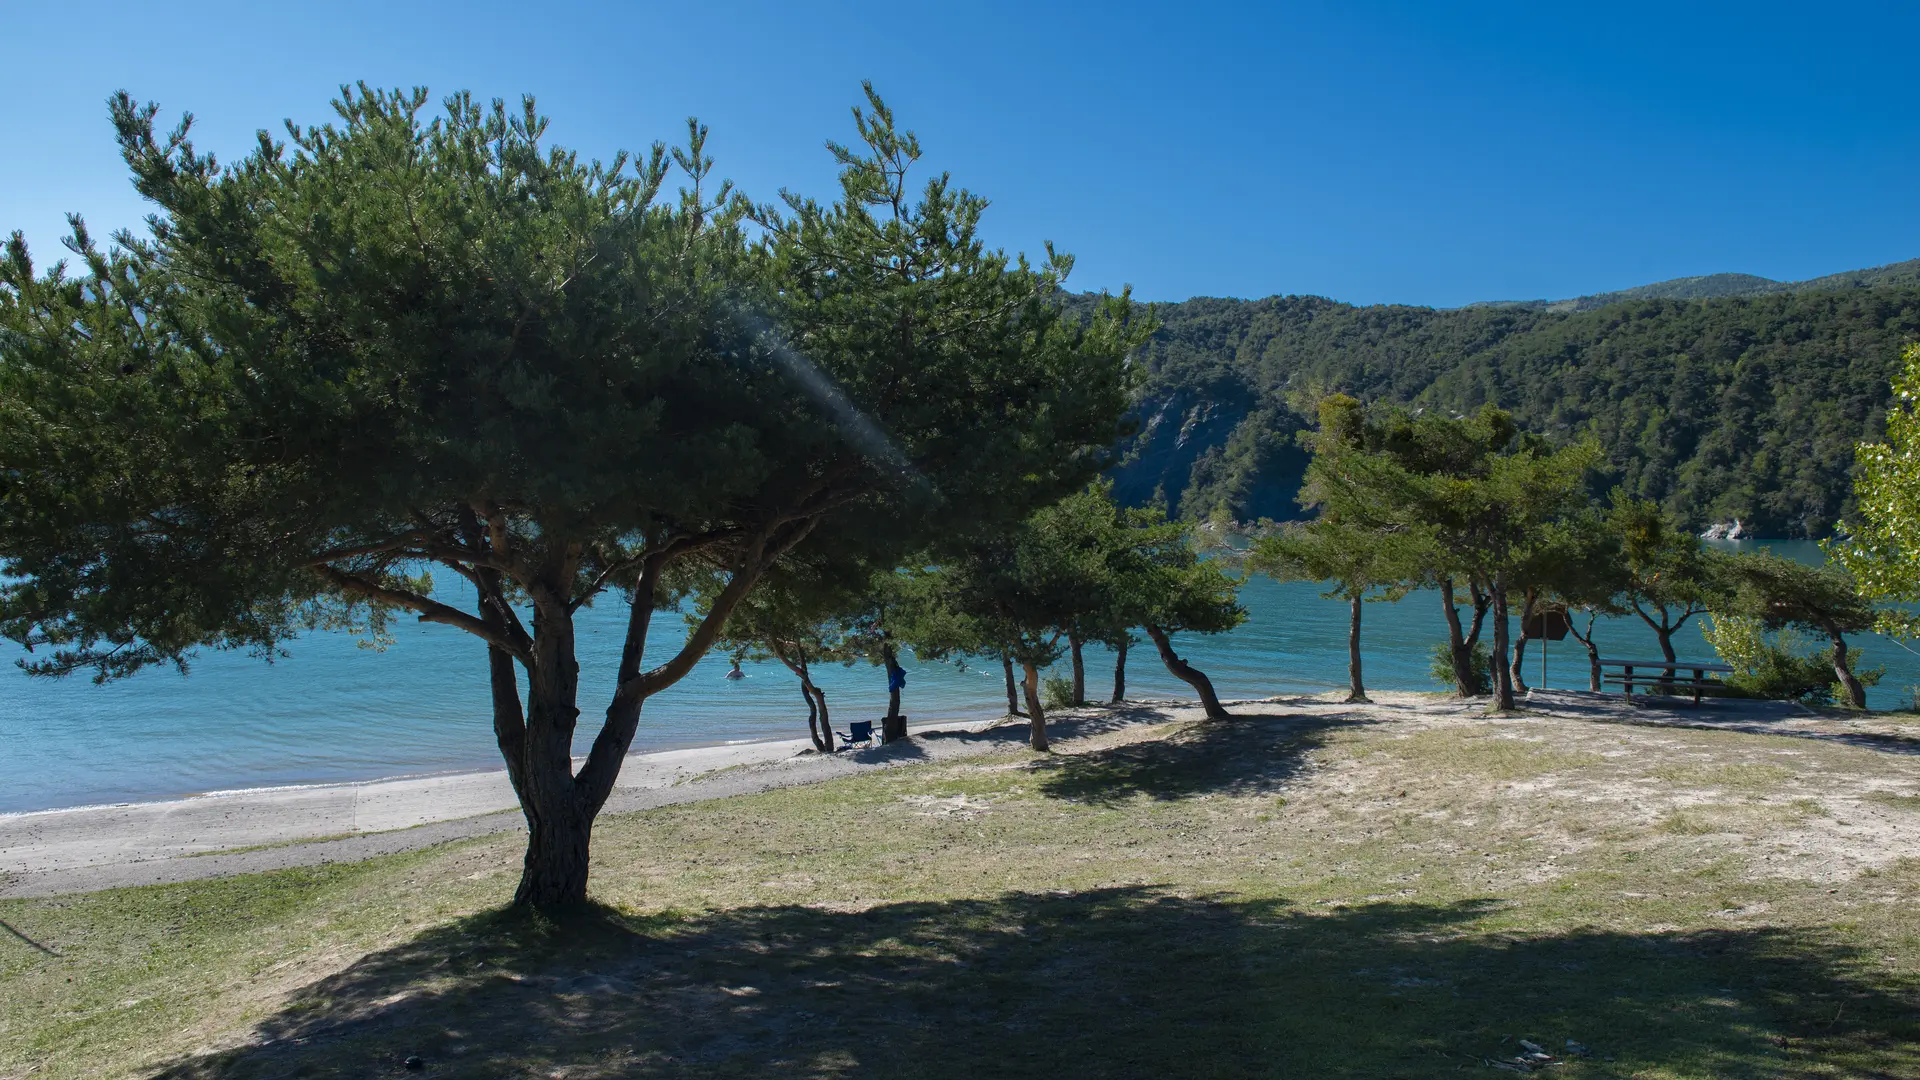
<point x="1668" y="676"/>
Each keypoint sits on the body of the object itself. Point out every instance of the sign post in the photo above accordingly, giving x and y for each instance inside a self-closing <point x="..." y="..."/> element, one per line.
<point x="1546" y="624"/>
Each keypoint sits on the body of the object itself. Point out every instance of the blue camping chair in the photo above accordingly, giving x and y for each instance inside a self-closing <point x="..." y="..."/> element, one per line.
<point x="859" y="731"/>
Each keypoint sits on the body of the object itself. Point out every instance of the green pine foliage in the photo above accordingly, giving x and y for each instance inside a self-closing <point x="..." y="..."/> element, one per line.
<point x="413" y="336"/>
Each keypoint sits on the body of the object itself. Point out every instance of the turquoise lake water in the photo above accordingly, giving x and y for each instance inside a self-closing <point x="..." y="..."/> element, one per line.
<point x="333" y="711"/>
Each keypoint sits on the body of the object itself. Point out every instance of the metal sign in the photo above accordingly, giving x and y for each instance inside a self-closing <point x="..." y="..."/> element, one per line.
<point x="1550" y="624"/>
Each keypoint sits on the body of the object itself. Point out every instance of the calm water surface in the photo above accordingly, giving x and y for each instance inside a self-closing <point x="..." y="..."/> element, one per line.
<point x="333" y="711"/>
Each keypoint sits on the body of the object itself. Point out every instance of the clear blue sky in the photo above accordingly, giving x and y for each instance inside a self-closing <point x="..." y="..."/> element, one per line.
<point x="1422" y="153"/>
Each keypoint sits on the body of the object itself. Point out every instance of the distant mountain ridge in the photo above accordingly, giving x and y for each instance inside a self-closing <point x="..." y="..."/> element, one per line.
<point x="1711" y="286"/>
<point x="1725" y="397"/>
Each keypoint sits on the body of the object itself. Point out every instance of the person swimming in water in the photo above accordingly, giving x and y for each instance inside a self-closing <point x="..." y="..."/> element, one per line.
<point x="736" y="673"/>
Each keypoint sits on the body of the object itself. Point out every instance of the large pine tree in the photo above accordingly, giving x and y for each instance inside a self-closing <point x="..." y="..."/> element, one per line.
<point x="393" y="343"/>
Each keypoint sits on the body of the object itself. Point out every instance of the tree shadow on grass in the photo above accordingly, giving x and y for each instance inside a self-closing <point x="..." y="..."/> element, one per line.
<point x="1124" y="982"/>
<point x="1743" y="715"/>
<point x="1078" y="722"/>
<point x="1250" y="754"/>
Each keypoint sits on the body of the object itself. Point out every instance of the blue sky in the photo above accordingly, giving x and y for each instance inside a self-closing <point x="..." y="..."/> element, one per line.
<point x="1415" y="153"/>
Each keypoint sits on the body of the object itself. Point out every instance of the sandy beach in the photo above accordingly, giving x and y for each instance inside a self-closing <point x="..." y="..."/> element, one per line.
<point x="81" y="849"/>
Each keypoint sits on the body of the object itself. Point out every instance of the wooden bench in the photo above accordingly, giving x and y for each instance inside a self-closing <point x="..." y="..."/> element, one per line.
<point x="1664" y="675"/>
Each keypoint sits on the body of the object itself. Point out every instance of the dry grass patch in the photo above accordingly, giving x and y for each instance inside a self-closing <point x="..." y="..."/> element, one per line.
<point x="1492" y="750"/>
<point x="1735" y="776"/>
<point x="1910" y="803"/>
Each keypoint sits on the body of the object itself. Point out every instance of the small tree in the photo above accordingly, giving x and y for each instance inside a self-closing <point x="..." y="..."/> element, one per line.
<point x="1576" y="566"/>
<point x="1004" y="600"/>
<point x="1091" y="521"/>
<point x="1081" y="565"/>
<point x="1354" y="477"/>
<point x="800" y="615"/>
<point x="925" y="613"/>
<point x="1773" y="664"/>
<point x="1671" y="576"/>
<point x="1162" y="585"/>
<point x="1016" y="595"/>
<point x="1362" y="565"/>
<point x="1825" y="600"/>
<point x="875" y="636"/>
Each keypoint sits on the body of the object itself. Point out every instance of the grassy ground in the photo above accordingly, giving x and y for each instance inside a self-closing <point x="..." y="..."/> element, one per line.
<point x="1387" y="893"/>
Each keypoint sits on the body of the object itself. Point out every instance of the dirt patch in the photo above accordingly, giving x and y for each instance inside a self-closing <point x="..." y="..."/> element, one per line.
<point x="953" y="806"/>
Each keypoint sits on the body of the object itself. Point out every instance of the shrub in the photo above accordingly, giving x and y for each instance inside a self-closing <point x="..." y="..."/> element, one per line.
<point x="1778" y="666"/>
<point x="1442" y="669"/>
<point x="1056" y="691"/>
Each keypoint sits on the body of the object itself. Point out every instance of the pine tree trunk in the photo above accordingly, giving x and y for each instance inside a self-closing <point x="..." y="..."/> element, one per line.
<point x="1666" y="653"/>
<point x="813" y="719"/>
<point x="1356" y="686"/>
<point x="1120" y="670"/>
<point x="826" y="718"/>
<point x="894" y="727"/>
<point x="1188" y="674"/>
<point x="1516" y="671"/>
<point x="1036" y="716"/>
<point x="1013" y="688"/>
<point x="1074" y="646"/>
<point x="559" y="804"/>
<point x="818" y="726"/>
<point x="1593" y="651"/>
<point x="1663" y="629"/>
<point x="554" y="872"/>
<point x="559" y="824"/>
<point x="1665" y="634"/>
<point x="1459" y="647"/>
<point x="509" y="720"/>
<point x="509" y="724"/>
<point x="1856" y="693"/>
<point x="1481" y="602"/>
<point x="1502" y="674"/>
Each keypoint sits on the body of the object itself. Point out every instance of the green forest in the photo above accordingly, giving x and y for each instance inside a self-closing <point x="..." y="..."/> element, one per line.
<point x="1743" y="407"/>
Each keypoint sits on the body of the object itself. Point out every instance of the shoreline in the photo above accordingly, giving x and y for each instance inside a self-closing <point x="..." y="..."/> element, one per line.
<point x="84" y="849"/>
<point x="79" y="848"/>
<point x="385" y="778"/>
<point x="7" y="816"/>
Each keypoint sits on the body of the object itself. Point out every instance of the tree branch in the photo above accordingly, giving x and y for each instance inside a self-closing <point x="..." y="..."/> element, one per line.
<point x="671" y="549"/>
<point x="761" y="555"/>
<point x="1657" y="627"/>
<point x="431" y="611"/>
<point x="378" y="547"/>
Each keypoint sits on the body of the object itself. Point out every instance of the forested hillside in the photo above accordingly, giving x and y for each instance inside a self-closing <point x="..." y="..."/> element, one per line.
<point x="1744" y="407"/>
